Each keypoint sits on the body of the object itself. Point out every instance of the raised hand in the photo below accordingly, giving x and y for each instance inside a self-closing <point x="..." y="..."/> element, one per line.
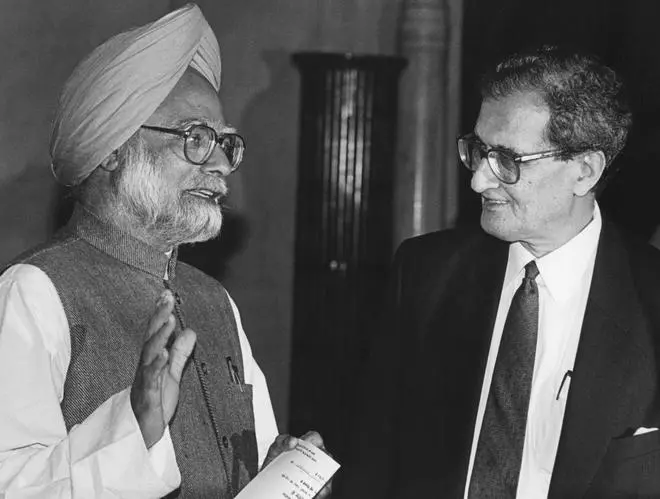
<point x="155" y="390"/>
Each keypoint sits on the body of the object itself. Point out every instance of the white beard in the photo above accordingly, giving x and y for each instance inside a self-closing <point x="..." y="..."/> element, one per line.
<point x="167" y="212"/>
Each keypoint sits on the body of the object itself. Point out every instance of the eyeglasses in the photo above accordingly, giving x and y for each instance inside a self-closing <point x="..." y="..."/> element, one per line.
<point x="504" y="165"/>
<point x="199" y="142"/>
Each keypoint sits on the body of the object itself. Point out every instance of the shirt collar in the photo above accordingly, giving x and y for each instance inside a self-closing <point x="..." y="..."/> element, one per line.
<point x="120" y="245"/>
<point x="561" y="270"/>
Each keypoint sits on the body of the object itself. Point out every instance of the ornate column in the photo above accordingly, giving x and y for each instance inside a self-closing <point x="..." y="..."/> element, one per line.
<point x="426" y="196"/>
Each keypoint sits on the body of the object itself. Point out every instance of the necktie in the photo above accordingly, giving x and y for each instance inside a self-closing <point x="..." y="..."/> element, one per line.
<point x="499" y="451"/>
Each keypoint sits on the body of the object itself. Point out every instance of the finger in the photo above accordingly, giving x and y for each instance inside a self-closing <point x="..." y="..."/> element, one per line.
<point x="180" y="352"/>
<point x="154" y="371"/>
<point x="281" y="444"/>
<point x="325" y="492"/>
<point x="284" y="442"/>
<point x="164" y="307"/>
<point x="145" y="393"/>
<point x="280" y="440"/>
<point x="291" y="442"/>
<point x="314" y="438"/>
<point x="156" y="344"/>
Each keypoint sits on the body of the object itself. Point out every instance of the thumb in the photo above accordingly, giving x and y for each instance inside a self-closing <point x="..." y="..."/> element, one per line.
<point x="180" y="352"/>
<point x="314" y="438"/>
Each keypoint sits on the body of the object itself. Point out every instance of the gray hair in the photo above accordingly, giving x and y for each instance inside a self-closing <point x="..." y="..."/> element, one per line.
<point x="588" y="107"/>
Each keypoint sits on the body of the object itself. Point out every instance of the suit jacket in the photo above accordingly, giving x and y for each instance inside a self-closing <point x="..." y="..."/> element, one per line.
<point x="422" y="387"/>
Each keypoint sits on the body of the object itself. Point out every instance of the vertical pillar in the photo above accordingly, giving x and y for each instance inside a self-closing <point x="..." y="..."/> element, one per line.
<point x="343" y="230"/>
<point x="429" y="99"/>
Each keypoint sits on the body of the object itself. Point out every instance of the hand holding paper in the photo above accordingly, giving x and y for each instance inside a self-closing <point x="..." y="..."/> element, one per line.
<point x="299" y="472"/>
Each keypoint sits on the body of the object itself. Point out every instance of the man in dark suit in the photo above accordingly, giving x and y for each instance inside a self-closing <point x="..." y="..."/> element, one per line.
<point x="521" y="360"/>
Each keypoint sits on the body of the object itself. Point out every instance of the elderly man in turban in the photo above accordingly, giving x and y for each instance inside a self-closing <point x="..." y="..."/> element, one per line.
<point x="124" y="373"/>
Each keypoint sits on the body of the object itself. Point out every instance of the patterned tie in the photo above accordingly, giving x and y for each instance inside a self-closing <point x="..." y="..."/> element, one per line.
<point x="499" y="452"/>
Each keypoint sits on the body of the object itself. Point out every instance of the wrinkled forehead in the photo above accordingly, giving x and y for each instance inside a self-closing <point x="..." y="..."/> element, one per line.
<point x="193" y="99"/>
<point x="517" y="121"/>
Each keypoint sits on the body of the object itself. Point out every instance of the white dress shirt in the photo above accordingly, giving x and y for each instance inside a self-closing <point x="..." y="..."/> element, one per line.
<point x="564" y="281"/>
<point x="104" y="456"/>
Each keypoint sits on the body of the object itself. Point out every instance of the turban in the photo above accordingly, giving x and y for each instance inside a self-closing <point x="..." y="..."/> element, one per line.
<point x="116" y="88"/>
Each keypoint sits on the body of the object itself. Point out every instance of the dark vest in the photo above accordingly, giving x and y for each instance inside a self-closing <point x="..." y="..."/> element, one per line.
<point x="109" y="283"/>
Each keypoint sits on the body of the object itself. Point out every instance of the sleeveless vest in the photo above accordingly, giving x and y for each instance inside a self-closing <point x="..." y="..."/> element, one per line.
<point x="109" y="283"/>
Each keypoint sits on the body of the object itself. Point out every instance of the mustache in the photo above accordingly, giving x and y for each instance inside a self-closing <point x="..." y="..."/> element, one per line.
<point x="216" y="186"/>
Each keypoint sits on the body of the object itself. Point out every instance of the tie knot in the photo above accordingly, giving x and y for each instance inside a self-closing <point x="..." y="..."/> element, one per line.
<point x="531" y="270"/>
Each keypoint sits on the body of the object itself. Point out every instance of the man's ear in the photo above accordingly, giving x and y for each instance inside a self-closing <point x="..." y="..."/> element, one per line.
<point x="111" y="163"/>
<point x="592" y="166"/>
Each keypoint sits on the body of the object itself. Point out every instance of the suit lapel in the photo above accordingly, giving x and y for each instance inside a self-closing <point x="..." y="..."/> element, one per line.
<point x="611" y="355"/>
<point x="455" y="350"/>
<point x="464" y="307"/>
<point x="481" y="292"/>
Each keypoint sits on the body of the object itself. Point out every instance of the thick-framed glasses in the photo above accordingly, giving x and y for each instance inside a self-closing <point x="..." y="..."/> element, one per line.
<point x="504" y="165"/>
<point x="199" y="142"/>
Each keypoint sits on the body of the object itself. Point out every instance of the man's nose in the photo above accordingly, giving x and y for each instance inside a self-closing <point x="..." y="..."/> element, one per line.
<point x="483" y="178"/>
<point x="218" y="164"/>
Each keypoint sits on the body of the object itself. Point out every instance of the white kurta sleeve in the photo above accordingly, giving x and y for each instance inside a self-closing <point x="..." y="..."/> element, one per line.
<point x="264" y="417"/>
<point x="105" y="455"/>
